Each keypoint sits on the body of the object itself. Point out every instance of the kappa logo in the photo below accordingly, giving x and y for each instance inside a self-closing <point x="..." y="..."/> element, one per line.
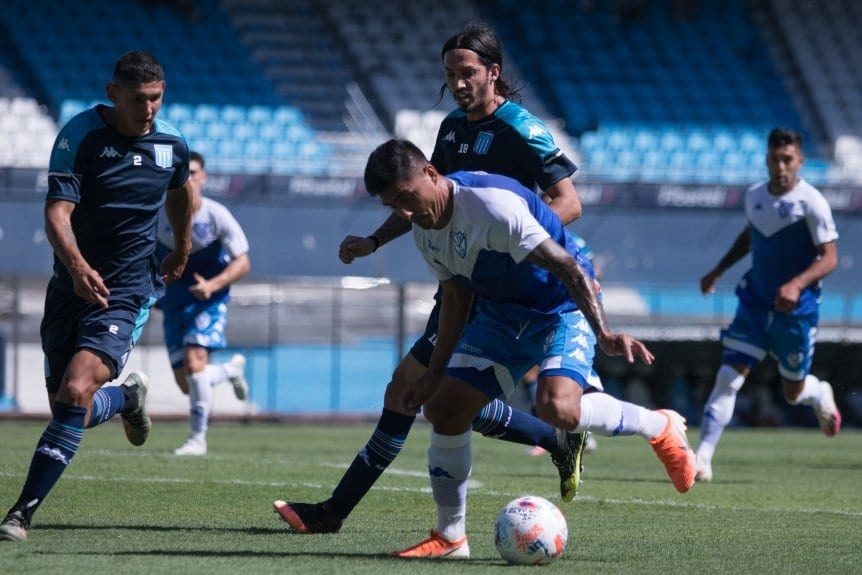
<point x="63" y="145"/>
<point x="450" y="137"/>
<point x="536" y="130"/>
<point x="459" y="241"/>
<point x="109" y="152"/>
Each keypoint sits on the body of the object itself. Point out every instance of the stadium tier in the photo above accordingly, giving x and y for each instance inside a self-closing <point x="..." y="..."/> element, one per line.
<point x="645" y="91"/>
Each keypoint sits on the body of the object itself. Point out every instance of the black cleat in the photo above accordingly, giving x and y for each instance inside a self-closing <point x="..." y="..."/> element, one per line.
<point x="309" y="517"/>
<point x="14" y="526"/>
<point x="568" y="461"/>
<point x="137" y="423"/>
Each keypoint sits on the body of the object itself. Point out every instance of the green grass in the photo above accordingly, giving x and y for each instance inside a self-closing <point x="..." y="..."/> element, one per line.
<point x="783" y="501"/>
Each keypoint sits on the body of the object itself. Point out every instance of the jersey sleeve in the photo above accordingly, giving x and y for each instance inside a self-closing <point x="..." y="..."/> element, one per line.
<point x="181" y="163"/>
<point x="64" y="174"/>
<point x="231" y="234"/>
<point x="820" y="223"/>
<point x="514" y="229"/>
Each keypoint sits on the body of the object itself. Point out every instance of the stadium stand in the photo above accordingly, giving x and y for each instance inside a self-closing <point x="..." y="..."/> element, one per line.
<point x="646" y="91"/>
<point x="286" y="99"/>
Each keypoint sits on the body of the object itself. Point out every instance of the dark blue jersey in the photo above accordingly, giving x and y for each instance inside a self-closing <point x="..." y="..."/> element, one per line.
<point x="119" y="184"/>
<point x="511" y="141"/>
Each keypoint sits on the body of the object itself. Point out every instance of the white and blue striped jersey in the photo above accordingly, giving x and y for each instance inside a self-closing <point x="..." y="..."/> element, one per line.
<point x="496" y="222"/>
<point x="217" y="238"/>
<point x="786" y="231"/>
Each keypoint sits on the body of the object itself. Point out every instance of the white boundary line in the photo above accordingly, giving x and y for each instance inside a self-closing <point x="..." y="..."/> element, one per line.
<point x="475" y="486"/>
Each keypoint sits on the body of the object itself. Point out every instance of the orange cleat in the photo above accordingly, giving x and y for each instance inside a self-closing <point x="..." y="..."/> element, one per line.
<point x="436" y="547"/>
<point x="673" y="449"/>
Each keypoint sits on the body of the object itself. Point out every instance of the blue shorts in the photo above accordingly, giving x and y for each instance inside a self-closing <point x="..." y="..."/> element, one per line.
<point x="500" y="344"/>
<point x="755" y="332"/>
<point x="71" y="324"/>
<point x="198" y="324"/>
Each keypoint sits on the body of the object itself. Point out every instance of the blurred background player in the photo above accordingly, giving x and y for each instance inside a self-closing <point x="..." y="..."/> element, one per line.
<point x="195" y="306"/>
<point x="111" y="170"/>
<point x="490" y="132"/>
<point x="792" y="239"/>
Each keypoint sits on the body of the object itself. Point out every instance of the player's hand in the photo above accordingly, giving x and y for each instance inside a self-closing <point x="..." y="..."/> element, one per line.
<point x="707" y="282"/>
<point x="353" y="247"/>
<point x="89" y="286"/>
<point x="201" y="290"/>
<point x="787" y="297"/>
<point x="417" y="393"/>
<point x="173" y="266"/>
<point x="625" y="345"/>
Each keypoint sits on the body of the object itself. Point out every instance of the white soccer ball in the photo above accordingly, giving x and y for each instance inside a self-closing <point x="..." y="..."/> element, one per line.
<point x="530" y="530"/>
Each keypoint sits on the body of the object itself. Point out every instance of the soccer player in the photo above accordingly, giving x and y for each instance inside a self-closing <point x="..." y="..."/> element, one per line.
<point x="488" y="238"/>
<point x="792" y="239"/>
<point x="195" y="306"/>
<point x="489" y="131"/>
<point x="111" y="170"/>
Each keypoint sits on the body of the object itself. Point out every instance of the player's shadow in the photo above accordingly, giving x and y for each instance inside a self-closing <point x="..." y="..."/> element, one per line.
<point x="169" y="528"/>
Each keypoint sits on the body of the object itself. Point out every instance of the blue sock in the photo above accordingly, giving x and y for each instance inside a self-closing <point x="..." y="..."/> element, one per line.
<point x="107" y="402"/>
<point x="371" y="461"/>
<point x="56" y="447"/>
<point x="500" y="421"/>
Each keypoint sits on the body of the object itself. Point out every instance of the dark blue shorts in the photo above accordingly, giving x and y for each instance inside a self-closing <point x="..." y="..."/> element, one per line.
<point x="71" y="324"/>
<point x="424" y="346"/>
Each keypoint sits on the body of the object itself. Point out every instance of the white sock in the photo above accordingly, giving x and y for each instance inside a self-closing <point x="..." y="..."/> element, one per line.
<point x="217" y="373"/>
<point x="718" y="410"/>
<point x="606" y="415"/>
<point x="450" y="459"/>
<point x="811" y="390"/>
<point x="200" y="398"/>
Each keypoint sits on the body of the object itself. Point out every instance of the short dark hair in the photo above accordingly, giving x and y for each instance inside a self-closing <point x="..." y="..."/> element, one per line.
<point x="779" y="137"/>
<point x="197" y="157"/>
<point x="392" y="161"/>
<point x="480" y="37"/>
<point x="138" y="67"/>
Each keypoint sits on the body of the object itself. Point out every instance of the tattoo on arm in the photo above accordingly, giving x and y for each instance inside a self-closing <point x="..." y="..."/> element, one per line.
<point x="551" y="256"/>
<point x="394" y="227"/>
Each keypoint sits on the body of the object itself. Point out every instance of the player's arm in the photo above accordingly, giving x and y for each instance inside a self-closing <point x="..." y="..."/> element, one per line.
<point x="58" y="229"/>
<point x="457" y="299"/>
<point x="238" y="267"/>
<point x="553" y="257"/>
<point x="788" y="293"/>
<point x="740" y="248"/>
<point x="563" y="199"/>
<point x="178" y="209"/>
<point x="353" y="247"/>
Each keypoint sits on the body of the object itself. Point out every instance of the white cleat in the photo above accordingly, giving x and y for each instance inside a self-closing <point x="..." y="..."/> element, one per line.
<point x="827" y="412"/>
<point x="192" y="447"/>
<point x="704" y="471"/>
<point x="238" y="381"/>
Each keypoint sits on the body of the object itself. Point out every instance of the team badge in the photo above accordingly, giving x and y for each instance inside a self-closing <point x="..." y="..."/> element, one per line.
<point x="459" y="241"/>
<point x="164" y="155"/>
<point x="483" y="142"/>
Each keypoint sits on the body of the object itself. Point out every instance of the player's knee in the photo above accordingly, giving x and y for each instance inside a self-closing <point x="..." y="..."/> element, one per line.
<point x="559" y="412"/>
<point x="77" y="391"/>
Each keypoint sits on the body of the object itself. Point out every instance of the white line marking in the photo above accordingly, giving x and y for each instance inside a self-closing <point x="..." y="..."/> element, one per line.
<point x="476" y="490"/>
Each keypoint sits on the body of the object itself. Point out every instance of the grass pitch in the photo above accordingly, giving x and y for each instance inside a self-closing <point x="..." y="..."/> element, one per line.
<point x="783" y="501"/>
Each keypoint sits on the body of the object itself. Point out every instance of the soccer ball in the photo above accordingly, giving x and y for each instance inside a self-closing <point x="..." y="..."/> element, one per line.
<point x="530" y="530"/>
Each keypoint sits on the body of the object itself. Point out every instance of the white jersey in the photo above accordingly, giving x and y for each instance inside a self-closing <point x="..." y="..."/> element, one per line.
<point x="495" y="224"/>
<point x="786" y="231"/>
<point x="217" y="238"/>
